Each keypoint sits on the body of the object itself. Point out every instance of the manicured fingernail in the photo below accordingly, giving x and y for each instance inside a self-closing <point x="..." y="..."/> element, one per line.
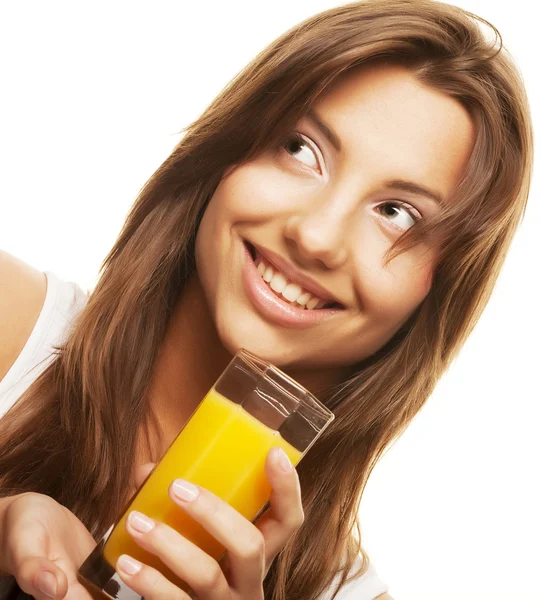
<point x="284" y="461"/>
<point x="185" y="491"/>
<point x="140" y="522"/>
<point x="46" y="584"/>
<point x="129" y="565"/>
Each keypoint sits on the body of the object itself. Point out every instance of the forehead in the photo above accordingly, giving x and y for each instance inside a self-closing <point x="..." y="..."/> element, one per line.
<point x="393" y="126"/>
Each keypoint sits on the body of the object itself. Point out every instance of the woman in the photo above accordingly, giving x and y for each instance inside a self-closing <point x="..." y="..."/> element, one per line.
<point x="376" y="157"/>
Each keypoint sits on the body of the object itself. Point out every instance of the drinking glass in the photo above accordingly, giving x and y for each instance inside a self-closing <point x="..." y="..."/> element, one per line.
<point x="252" y="407"/>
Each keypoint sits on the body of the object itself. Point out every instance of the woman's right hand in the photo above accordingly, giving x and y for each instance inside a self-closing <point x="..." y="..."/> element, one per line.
<point x="43" y="544"/>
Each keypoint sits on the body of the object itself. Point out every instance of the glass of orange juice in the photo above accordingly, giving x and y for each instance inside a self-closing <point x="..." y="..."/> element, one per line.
<point x="252" y="407"/>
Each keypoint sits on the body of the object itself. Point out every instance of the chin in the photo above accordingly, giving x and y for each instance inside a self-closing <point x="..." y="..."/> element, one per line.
<point x="245" y="331"/>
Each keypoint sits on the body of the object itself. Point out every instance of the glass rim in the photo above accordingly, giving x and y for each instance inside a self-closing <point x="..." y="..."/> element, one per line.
<point x="306" y="399"/>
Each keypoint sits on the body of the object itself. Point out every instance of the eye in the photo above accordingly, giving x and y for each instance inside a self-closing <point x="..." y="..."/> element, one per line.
<point x="300" y="149"/>
<point x="403" y="218"/>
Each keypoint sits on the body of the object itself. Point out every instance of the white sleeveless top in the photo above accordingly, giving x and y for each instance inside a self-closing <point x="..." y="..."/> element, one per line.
<point x="63" y="302"/>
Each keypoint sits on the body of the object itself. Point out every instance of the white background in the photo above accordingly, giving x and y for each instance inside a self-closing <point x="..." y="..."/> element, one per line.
<point x="93" y="95"/>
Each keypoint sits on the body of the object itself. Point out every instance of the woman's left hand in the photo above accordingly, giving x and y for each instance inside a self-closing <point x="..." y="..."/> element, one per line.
<point x="250" y="548"/>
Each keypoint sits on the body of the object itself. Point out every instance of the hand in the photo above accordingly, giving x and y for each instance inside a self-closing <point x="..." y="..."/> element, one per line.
<point x="250" y="548"/>
<point x="42" y="544"/>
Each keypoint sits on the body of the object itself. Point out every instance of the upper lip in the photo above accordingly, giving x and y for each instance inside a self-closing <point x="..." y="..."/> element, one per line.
<point x="294" y="275"/>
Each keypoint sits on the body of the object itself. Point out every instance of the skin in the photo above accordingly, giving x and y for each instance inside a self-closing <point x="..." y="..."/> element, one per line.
<point x="324" y="219"/>
<point x="326" y="214"/>
<point x="321" y="211"/>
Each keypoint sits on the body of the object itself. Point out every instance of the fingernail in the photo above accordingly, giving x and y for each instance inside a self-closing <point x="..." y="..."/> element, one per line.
<point x="140" y="522"/>
<point x="46" y="584"/>
<point x="284" y="461"/>
<point x="128" y="565"/>
<point x="185" y="491"/>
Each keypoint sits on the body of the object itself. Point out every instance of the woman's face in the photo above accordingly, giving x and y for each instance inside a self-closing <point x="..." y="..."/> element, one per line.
<point x="331" y="215"/>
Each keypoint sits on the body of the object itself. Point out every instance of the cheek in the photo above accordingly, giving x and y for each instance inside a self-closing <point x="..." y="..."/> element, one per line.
<point x="201" y="252"/>
<point x="207" y="250"/>
<point x="427" y="281"/>
<point x="391" y="294"/>
<point x="256" y="191"/>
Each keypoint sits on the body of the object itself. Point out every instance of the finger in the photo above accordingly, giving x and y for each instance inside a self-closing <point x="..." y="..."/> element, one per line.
<point x="186" y="560"/>
<point x="41" y="578"/>
<point x="28" y="562"/>
<point x="286" y="514"/>
<point x="244" y="542"/>
<point x="147" y="581"/>
<point x="142" y="472"/>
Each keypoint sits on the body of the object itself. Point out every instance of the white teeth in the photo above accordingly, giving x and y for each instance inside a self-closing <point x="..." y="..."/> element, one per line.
<point x="278" y="282"/>
<point x="292" y="292"/>
<point x="303" y="299"/>
<point x="312" y="303"/>
<point x="289" y="291"/>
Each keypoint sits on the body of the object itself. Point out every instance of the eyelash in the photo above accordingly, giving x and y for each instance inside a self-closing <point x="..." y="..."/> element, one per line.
<point x="294" y="136"/>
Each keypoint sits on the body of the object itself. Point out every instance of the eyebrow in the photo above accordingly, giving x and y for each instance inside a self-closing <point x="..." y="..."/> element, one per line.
<point x="399" y="184"/>
<point x="325" y="130"/>
<point x="414" y="188"/>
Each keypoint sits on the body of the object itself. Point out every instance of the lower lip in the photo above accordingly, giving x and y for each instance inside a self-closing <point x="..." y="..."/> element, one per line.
<point x="271" y="307"/>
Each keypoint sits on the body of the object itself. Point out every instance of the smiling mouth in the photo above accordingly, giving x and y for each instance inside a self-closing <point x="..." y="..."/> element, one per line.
<point x="286" y="289"/>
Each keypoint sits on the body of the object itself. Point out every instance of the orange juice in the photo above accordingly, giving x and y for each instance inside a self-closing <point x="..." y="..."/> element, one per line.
<point x="221" y="448"/>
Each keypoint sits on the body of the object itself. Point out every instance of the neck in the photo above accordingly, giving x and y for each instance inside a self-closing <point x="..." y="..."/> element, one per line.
<point x="190" y="360"/>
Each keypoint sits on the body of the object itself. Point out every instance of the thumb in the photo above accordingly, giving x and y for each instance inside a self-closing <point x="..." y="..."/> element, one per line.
<point x="142" y="472"/>
<point x="42" y="579"/>
<point x="26" y="547"/>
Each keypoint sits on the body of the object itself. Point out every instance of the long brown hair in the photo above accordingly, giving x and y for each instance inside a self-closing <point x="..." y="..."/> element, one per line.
<point x="72" y="434"/>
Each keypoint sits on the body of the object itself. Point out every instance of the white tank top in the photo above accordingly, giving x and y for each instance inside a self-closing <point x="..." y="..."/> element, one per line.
<point x="63" y="302"/>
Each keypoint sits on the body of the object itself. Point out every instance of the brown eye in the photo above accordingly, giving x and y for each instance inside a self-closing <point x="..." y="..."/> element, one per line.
<point x="297" y="147"/>
<point x="401" y="215"/>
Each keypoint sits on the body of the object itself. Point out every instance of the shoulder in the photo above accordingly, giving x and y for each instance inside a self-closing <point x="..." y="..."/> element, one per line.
<point x="23" y="289"/>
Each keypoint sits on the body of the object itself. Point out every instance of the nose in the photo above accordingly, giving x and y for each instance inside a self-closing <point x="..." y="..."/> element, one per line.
<point x="318" y="236"/>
